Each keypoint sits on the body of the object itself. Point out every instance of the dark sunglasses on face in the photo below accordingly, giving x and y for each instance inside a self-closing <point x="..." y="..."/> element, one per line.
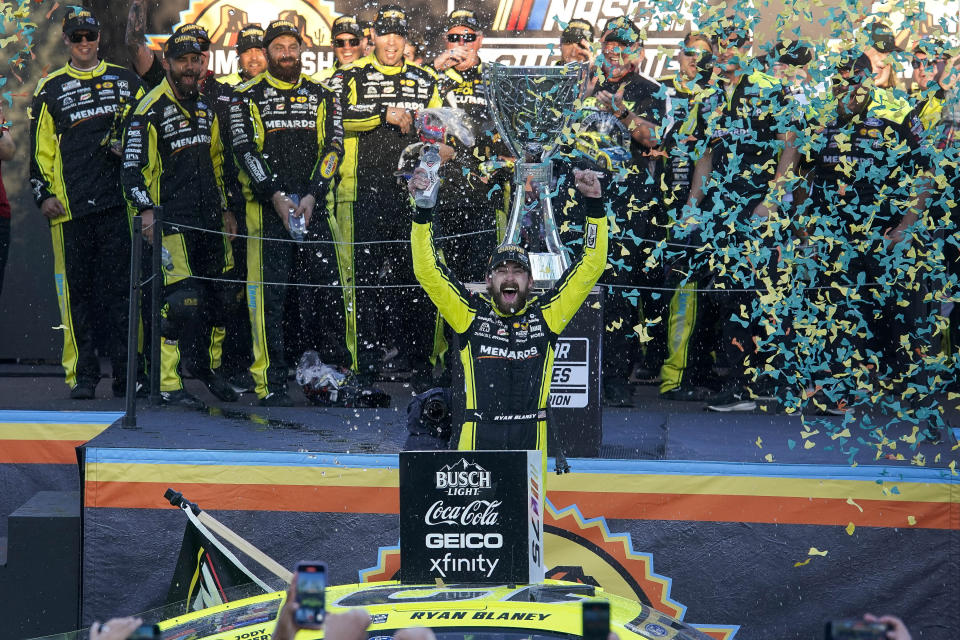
<point x="461" y="37"/>
<point x="693" y="53"/>
<point x="80" y="36"/>
<point x="347" y="42"/>
<point x="918" y="63"/>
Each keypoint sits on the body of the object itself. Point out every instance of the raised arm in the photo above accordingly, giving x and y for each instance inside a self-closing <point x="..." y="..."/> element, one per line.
<point x="562" y="302"/>
<point x="141" y="57"/>
<point x="450" y="296"/>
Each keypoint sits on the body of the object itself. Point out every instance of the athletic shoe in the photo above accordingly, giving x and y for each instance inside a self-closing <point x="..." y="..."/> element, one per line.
<point x="617" y="393"/>
<point x="734" y="400"/>
<point x="181" y="398"/>
<point x="241" y="382"/>
<point x="685" y="393"/>
<point x="219" y="387"/>
<point x="276" y="399"/>
<point x="84" y="390"/>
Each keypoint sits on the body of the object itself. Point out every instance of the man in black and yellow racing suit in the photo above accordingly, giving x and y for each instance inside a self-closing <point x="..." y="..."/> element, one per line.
<point x="507" y="338"/>
<point x="173" y="157"/>
<point x="288" y="142"/>
<point x="75" y="179"/>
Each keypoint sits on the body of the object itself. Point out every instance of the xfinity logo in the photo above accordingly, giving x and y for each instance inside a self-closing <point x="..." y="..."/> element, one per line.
<point x="463" y="478"/>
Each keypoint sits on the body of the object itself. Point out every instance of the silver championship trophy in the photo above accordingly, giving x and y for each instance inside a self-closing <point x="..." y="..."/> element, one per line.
<point x="531" y="107"/>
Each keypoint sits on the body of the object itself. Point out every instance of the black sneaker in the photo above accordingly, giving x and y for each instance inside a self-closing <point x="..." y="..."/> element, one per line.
<point x="181" y="398"/>
<point x="685" y="393"/>
<point x="617" y="393"/>
<point x="84" y="390"/>
<point x="276" y="399"/>
<point x="241" y="382"/>
<point x="120" y="388"/>
<point x="735" y="400"/>
<point x="219" y="387"/>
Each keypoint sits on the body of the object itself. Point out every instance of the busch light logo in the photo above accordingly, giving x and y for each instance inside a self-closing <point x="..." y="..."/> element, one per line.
<point x="463" y="479"/>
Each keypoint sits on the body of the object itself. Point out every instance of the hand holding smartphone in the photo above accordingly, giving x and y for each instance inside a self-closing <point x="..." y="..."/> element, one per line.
<point x="311" y="583"/>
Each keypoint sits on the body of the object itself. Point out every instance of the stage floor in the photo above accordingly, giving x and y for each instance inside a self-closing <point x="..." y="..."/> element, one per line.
<point x="655" y="429"/>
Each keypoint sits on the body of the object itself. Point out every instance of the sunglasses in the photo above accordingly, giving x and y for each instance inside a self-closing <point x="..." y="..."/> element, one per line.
<point x="924" y="63"/>
<point x="80" y="36"/>
<point x="693" y="53"/>
<point x="346" y="42"/>
<point x="461" y="37"/>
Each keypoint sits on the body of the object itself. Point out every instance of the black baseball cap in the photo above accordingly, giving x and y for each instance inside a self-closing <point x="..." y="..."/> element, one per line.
<point x="509" y="253"/>
<point x="391" y="19"/>
<point x="279" y="28"/>
<point x="797" y="53"/>
<point x="856" y="65"/>
<point x="576" y="31"/>
<point x="198" y="32"/>
<point x="622" y="30"/>
<point x="463" y="18"/>
<point x="250" y="37"/>
<point x="347" y="24"/>
<point x="81" y="20"/>
<point x="882" y="38"/>
<point x="180" y="44"/>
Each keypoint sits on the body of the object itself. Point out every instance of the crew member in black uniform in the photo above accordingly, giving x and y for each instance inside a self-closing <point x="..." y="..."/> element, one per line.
<point x="867" y="188"/>
<point x="685" y="374"/>
<point x="288" y="140"/>
<point x="624" y="99"/>
<point x="75" y="180"/>
<point x="173" y="157"/>
<point x="736" y="189"/>
<point x="381" y="94"/>
<point x="469" y="201"/>
<point x="507" y="337"/>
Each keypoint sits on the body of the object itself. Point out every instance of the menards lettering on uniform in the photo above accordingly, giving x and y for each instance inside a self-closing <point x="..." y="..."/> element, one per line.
<point x="509" y="354"/>
<point x="83" y="114"/>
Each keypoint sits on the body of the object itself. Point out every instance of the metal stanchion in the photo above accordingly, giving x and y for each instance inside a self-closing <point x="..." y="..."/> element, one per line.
<point x="133" y="309"/>
<point x="155" y="287"/>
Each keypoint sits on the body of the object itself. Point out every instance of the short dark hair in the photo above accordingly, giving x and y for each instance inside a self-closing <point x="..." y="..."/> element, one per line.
<point x="693" y="36"/>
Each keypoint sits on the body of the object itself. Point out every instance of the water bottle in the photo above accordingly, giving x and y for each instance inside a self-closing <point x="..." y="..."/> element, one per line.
<point x="430" y="165"/>
<point x="166" y="258"/>
<point x="298" y="225"/>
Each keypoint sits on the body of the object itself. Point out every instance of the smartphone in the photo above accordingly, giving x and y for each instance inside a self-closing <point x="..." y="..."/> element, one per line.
<point x="311" y="583"/>
<point x="145" y="632"/>
<point x="856" y="630"/>
<point x="596" y="619"/>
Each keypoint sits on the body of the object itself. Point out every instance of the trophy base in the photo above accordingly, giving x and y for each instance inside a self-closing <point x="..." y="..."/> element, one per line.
<point x="547" y="268"/>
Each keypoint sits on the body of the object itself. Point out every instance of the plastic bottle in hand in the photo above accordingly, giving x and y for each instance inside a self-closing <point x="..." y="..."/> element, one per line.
<point x="166" y="258"/>
<point x="429" y="167"/>
<point x="298" y="225"/>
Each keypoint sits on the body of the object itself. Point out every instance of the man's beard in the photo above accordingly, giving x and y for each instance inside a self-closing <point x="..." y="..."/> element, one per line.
<point x="186" y="91"/>
<point x="284" y="72"/>
<point x="515" y="304"/>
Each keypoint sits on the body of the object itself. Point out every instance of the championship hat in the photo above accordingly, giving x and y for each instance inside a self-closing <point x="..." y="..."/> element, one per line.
<point x="509" y="253"/>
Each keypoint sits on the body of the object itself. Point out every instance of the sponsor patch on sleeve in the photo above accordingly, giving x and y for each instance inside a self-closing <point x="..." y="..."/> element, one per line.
<point x="328" y="166"/>
<point x="591" y="236"/>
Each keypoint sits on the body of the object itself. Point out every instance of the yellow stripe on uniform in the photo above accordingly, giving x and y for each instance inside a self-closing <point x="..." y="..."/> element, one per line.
<point x="70" y="355"/>
<point x="258" y="333"/>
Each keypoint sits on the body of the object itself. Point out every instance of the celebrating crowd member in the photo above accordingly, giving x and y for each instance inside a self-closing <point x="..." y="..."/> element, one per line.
<point x="737" y="184"/>
<point x="75" y="181"/>
<point x="685" y="374"/>
<point x="469" y="202"/>
<point x="870" y="214"/>
<point x="507" y="338"/>
<point x="7" y="151"/>
<point x="173" y="157"/>
<point x="288" y="140"/>
<point x="380" y="95"/>
<point x="576" y="41"/>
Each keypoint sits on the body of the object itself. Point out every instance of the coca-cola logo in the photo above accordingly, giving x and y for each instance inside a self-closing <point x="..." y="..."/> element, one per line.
<point x="476" y="513"/>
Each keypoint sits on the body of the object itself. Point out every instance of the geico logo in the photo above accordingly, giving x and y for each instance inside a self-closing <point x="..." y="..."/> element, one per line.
<point x="464" y="541"/>
<point x="89" y="113"/>
<point x="290" y="124"/>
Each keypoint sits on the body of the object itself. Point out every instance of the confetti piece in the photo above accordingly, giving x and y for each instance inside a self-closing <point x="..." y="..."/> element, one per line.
<point x="850" y="529"/>
<point x="816" y="552"/>
<point x="911" y="520"/>
<point x="854" y="504"/>
<point x="800" y="564"/>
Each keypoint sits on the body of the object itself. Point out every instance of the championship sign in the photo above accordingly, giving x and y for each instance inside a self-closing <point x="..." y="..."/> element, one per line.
<point x="471" y="516"/>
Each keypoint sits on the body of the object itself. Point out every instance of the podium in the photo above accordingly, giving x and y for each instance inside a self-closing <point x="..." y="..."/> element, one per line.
<point x="471" y="516"/>
<point x="576" y="409"/>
